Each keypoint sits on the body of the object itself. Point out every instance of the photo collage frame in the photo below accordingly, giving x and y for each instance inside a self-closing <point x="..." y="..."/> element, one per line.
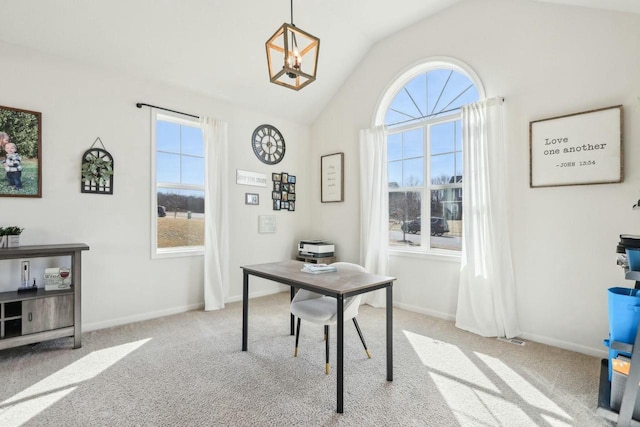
<point x="284" y="192"/>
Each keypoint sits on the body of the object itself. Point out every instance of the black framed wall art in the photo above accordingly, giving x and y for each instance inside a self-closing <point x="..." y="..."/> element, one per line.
<point x="284" y="192"/>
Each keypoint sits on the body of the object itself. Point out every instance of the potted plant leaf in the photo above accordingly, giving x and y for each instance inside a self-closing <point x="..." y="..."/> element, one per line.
<point x="10" y="236"/>
<point x="96" y="169"/>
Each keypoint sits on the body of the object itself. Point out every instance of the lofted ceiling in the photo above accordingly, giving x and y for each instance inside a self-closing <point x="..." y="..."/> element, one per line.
<point x="217" y="47"/>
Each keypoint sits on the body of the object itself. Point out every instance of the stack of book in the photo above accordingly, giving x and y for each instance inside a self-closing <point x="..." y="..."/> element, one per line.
<point x="318" y="268"/>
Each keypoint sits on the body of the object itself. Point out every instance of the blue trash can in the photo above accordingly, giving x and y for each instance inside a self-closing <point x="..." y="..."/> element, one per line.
<point x="624" y="314"/>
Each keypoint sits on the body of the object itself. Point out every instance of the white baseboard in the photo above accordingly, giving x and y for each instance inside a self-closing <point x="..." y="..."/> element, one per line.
<point x="596" y="352"/>
<point x="167" y="312"/>
<point x="276" y="290"/>
<point x="421" y="310"/>
<point x="139" y="317"/>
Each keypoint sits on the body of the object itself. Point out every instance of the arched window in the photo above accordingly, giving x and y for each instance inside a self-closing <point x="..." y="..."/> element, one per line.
<point x="422" y="112"/>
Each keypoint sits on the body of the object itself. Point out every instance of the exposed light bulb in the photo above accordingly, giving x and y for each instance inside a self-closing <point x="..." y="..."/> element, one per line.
<point x="294" y="61"/>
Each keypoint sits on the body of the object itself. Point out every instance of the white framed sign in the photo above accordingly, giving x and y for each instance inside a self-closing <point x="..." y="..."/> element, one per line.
<point x="267" y="224"/>
<point x="331" y="178"/>
<point x="577" y="149"/>
<point x="251" y="178"/>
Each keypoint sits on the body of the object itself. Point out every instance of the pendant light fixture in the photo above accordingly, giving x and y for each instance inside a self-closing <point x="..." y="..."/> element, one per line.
<point x="292" y="56"/>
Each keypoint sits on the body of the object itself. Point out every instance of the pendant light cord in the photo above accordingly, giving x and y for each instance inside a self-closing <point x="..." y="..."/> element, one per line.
<point x="292" y="24"/>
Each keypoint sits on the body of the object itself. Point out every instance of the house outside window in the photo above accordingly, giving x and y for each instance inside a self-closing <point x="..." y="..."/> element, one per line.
<point x="178" y="186"/>
<point x="424" y="155"/>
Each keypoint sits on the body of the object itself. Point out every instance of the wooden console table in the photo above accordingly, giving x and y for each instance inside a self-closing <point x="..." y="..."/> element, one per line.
<point x="31" y="317"/>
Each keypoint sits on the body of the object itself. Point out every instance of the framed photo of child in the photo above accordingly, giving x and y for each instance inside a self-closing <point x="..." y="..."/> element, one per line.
<point x="20" y="153"/>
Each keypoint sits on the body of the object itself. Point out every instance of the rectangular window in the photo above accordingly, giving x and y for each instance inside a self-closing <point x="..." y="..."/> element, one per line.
<point x="425" y="185"/>
<point x="178" y="186"/>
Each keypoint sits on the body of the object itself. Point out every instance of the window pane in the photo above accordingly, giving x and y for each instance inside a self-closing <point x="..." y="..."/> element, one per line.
<point x="412" y="172"/>
<point x="404" y="108"/>
<point x="446" y="219"/>
<point x="458" y="167"/>
<point x="192" y="141"/>
<point x="432" y="94"/>
<point x="394" y="147"/>
<point x="442" y="137"/>
<point x="393" y="117"/>
<point x="436" y="81"/>
<point x="192" y="170"/>
<point x="458" y="135"/>
<point x="180" y="218"/>
<point x="412" y="143"/>
<point x="449" y="90"/>
<point x="168" y="168"/>
<point x="442" y="168"/>
<point x="394" y="174"/>
<point x="470" y="95"/>
<point x="167" y="136"/>
<point x="405" y="212"/>
<point x="417" y="89"/>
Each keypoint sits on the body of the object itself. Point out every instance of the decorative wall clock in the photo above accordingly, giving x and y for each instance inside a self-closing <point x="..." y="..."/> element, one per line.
<point x="268" y="144"/>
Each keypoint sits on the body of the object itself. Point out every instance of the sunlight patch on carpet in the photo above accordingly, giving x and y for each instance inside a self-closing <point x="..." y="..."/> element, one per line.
<point x="474" y="407"/>
<point x="476" y="400"/>
<point x="25" y="405"/>
<point x="449" y="359"/>
<point x="525" y="389"/>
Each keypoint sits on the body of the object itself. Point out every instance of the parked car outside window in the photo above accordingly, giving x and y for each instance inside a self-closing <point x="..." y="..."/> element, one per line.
<point x="439" y="226"/>
<point x="411" y="226"/>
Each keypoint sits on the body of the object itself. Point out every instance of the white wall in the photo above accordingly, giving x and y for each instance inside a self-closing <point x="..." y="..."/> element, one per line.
<point x="546" y="60"/>
<point x="121" y="282"/>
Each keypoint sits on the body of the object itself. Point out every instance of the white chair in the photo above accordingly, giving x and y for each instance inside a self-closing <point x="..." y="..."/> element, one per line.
<point x="321" y="309"/>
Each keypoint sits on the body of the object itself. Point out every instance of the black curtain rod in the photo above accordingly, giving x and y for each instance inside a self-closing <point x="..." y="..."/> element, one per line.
<point x="140" y="105"/>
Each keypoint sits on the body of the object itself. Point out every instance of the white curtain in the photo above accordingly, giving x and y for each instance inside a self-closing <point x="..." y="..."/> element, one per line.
<point x="216" y="239"/>
<point x="486" y="297"/>
<point x="374" y="208"/>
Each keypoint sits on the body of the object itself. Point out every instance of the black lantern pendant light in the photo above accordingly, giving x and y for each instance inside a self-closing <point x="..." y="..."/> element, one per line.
<point x="292" y="56"/>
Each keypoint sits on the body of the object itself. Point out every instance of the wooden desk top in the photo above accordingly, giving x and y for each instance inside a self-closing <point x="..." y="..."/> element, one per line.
<point x="344" y="282"/>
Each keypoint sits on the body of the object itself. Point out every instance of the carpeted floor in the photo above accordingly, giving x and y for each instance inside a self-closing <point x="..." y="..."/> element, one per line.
<point x="188" y="370"/>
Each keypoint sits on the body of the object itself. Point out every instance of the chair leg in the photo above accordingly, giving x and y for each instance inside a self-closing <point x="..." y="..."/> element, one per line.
<point x="295" y="352"/>
<point x="326" y="345"/>
<point x="355" y="322"/>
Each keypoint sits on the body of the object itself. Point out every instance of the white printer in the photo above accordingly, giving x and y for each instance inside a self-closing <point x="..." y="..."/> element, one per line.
<point x="316" y="248"/>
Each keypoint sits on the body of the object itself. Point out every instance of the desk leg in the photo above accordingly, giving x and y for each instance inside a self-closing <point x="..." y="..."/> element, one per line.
<point x="293" y="293"/>
<point x="390" y="332"/>
<point x="340" y="352"/>
<point x="245" y="308"/>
